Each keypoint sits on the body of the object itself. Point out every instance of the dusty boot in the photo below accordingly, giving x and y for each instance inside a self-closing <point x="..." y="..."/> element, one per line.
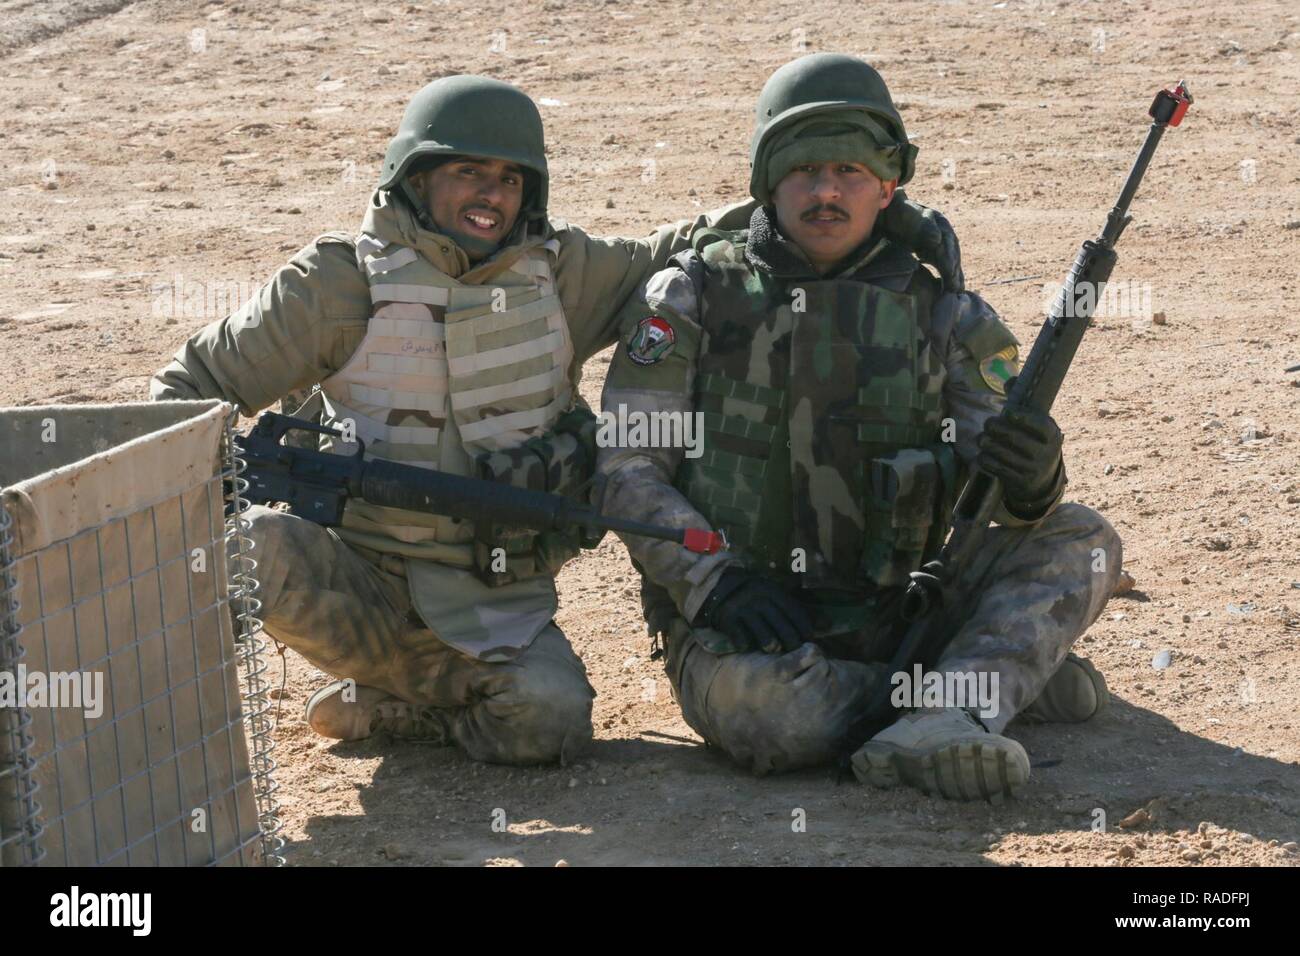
<point x="1075" y="693"/>
<point x="373" y="711"/>
<point x="944" y="751"/>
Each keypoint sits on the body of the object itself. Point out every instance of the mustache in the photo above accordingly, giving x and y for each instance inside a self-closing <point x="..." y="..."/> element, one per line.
<point x="821" y="208"/>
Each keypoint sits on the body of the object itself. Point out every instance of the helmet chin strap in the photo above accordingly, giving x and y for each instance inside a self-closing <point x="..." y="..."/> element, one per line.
<point x="417" y="205"/>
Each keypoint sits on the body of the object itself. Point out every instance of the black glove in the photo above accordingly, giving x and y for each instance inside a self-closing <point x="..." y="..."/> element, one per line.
<point x="928" y="234"/>
<point x="1022" y="447"/>
<point x="755" y="613"/>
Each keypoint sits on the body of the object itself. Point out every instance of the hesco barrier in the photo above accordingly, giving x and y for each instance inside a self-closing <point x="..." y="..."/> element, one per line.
<point x="125" y="692"/>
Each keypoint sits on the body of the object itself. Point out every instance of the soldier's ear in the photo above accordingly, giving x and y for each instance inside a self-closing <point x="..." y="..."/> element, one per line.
<point x="887" y="188"/>
<point x="416" y="183"/>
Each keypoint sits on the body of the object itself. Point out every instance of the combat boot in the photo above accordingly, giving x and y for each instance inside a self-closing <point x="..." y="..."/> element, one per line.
<point x="943" y="751"/>
<point x="1075" y="693"/>
<point x="373" y="711"/>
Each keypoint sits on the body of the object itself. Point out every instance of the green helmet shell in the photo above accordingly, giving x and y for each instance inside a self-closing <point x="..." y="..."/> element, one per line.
<point x="815" y="84"/>
<point x="469" y="116"/>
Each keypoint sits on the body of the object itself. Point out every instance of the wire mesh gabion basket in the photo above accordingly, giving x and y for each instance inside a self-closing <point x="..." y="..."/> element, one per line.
<point x="133" y="725"/>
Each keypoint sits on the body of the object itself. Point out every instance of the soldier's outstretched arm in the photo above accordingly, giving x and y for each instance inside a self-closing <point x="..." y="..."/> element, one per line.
<point x="301" y="326"/>
<point x="597" y="277"/>
<point x="648" y="379"/>
<point x="982" y="355"/>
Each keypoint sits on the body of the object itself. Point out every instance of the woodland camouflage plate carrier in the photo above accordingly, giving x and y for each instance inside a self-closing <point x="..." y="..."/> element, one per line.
<point x="824" y="455"/>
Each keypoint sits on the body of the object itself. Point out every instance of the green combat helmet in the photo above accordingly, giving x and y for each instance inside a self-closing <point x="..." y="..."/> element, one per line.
<point x="819" y="83"/>
<point x="468" y="116"/>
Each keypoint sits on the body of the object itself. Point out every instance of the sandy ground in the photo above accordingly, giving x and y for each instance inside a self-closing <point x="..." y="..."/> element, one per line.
<point x="148" y="148"/>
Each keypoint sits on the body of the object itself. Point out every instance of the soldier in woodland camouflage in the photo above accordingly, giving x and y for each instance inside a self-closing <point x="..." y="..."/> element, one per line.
<point x="448" y="333"/>
<point x="846" y="393"/>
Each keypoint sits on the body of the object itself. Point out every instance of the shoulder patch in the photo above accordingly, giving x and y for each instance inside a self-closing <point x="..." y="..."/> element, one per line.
<point x="997" y="368"/>
<point x="652" y="341"/>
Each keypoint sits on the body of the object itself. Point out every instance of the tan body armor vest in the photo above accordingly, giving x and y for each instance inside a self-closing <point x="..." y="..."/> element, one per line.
<point x="447" y="371"/>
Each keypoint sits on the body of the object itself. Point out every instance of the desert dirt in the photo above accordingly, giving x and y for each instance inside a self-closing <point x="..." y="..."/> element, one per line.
<point x="150" y="146"/>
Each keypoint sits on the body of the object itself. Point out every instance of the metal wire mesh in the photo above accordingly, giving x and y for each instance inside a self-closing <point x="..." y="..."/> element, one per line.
<point x="135" y="693"/>
<point x="161" y="776"/>
<point x="20" y="824"/>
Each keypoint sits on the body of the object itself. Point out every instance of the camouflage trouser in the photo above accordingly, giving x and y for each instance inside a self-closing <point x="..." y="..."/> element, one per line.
<point x="352" y="619"/>
<point x="1039" y="593"/>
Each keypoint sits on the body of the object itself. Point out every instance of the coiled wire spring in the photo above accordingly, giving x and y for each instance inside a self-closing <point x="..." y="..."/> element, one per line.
<point x="243" y="584"/>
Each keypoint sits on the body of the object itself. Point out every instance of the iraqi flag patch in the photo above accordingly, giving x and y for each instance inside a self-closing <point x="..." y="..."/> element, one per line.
<point x="652" y="341"/>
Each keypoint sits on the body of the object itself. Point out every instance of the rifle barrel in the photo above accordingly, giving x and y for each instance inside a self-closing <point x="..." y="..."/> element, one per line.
<point x="1134" y="180"/>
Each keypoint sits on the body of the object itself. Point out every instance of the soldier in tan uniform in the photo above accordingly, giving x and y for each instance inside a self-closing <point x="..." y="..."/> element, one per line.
<point x="845" y="393"/>
<point x="449" y="333"/>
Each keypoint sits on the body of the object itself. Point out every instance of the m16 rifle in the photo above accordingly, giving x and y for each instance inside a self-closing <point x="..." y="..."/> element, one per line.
<point x="928" y="614"/>
<point x="317" y="485"/>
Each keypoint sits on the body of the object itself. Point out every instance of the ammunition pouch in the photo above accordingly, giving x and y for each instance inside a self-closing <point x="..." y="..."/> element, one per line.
<point x="560" y="462"/>
<point x="910" y="493"/>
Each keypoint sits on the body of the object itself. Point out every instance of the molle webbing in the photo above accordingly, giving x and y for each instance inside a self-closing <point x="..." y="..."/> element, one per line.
<point x="731" y="475"/>
<point x="448" y="371"/>
<point x="821" y="428"/>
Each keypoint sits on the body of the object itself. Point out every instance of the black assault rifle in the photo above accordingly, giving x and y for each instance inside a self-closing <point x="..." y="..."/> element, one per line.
<point x="928" y="609"/>
<point x="316" y="485"/>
